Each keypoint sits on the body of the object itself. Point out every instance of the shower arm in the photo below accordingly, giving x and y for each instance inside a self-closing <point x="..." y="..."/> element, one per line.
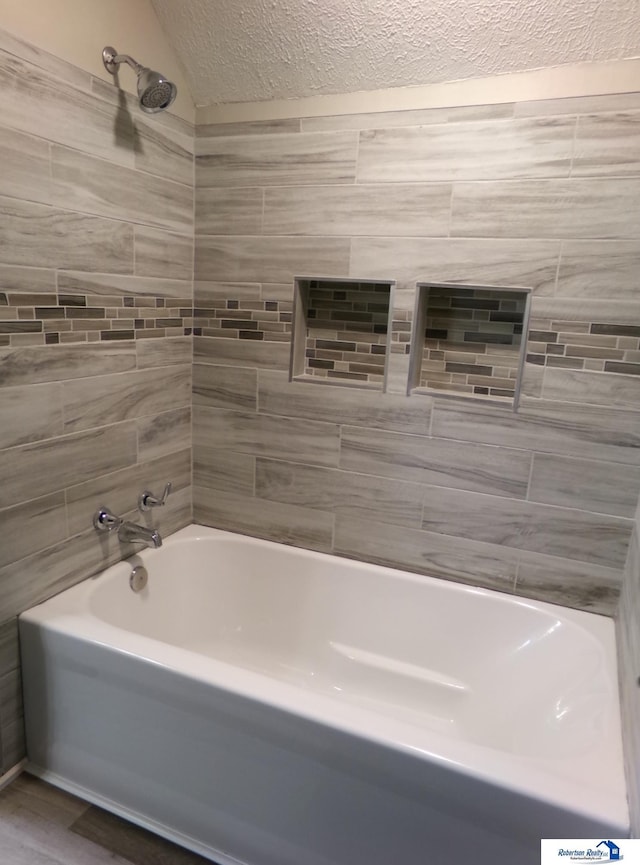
<point x="112" y="60"/>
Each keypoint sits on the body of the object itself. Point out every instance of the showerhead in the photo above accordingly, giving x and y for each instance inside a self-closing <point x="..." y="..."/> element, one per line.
<point x="155" y="92"/>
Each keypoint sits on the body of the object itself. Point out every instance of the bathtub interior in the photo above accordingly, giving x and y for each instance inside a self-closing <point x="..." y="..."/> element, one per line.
<point x="523" y="678"/>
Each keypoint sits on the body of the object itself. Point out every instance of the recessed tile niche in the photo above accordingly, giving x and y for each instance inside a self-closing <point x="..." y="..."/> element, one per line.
<point x="340" y="331"/>
<point x="469" y="340"/>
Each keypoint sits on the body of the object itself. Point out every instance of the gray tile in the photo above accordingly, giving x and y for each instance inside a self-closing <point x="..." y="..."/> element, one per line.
<point x="41" y="800"/>
<point x="594" y="388"/>
<point x="163" y="151"/>
<point x="417" y="117"/>
<point x="612" y="311"/>
<point x="130" y="842"/>
<point x="10" y="697"/>
<point x="509" y="149"/>
<point x="555" y="531"/>
<point x="164" y="352"/>
<point x="588" y="267"/>
<point x="460" y="465"/>
<point x="273" y="160"/>
<point x="578" y="105"/>
<point x="551" y="427"/>
<point x="110" y="285"/>
<point x="269" y="259"/>
<point x="371" y="210"/>
<point x="528" y="263"/>
<point x="580" y="585"/>
<point x="208" y="293"/>
<point x="603" y="487"/>
<point x="26" y="167"/>
<point x="312" y="442"/>
<point x="225" y="387"/>
<point x="163" y="254"/>
<point x="119" y="490"/>
<point x="286" y="524"/>
<point x="463" y="561"/>
<point x="163" y="434"/>
<point x="37" y="469"/>
<point x="607" y="145"/>
<point x="32" y="526"/>
<point x="91" y="185"/>
<point x="32" y="280"/>
<point x="14" y="748"/>
<point x="29" y="413"/>
<point x="57" y="238"/>
<point x="45" y="62"/>
<point x="32" y="365"/>
<point x="241" y="352"/>
<point x="229" y="211"/>
<point x="9" y="646"/>
<point x="363" y="408"/>
<point x="345" y="494"/>
<point x="576" y="208"/>
<point x="216" y="469"/>
<point x="107" y="399"/>
<point x="250" y="127"/>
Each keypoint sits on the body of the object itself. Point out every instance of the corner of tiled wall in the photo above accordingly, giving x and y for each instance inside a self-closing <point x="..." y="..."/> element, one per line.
<point x="96" y="299"/>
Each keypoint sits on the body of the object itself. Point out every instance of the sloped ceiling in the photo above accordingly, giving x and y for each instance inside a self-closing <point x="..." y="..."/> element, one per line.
<point x="254" y="50"/>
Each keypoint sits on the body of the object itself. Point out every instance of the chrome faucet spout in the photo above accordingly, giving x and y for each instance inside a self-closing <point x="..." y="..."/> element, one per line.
<point x="132" y="533"/>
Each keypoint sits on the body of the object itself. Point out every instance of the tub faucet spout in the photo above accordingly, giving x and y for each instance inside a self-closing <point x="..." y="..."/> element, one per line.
<point x="133" y="533"/>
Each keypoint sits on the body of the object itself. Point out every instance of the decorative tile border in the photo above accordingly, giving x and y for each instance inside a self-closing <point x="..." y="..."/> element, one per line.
<point x="242" y="318"/>
<point x="595" y="346"/>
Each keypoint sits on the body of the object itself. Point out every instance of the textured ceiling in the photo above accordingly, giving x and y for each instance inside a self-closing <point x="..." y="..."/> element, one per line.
<point x="254" y="50"/>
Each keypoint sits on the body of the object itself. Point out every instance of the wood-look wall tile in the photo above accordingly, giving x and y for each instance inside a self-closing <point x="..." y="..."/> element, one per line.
<point x="164" y="434"/>
<point x="229" y="211"/>
<point x="565" y="532"/>
<point x="345" y="494"/>
<point x="602" y="487"/>
<point x="10" y="697"/>
<point x="9" y="646"/>
<point x="164" y="352"/>
<point x="611" y="311"/>
<point x="210" y="293"/>
<point x="249" y="127"/>
<point x="91" y="185"/>
<point x="26" y="167"/>
<point x="362" y="408"/>
<point x="30" y="280"/>
<point x="528" y="263"/>
<point x="592" y="388"/>
<point x="119" y="490"/>
<point x="241" y="352"/>
<point x="36" y="469"/>
<point x="215" y="469"/>
<point x="607" y="145"/>
<point x="163" y="151"/>
<point x="587" y="269"/>
<point x="269" y="259"/>
<point x="459" y="465"/>
<point x="105" y="399"/>
<point x="578" y="105"/>
<point x="21" y="366"/>
<point x="409" y="117"/>
<point x="371" y="210"/>
<point x="581" y="585"/>
<point x="488" y="150"/>
<point x="32" y="526"/>
<point x="43" y="61"/>
<point x="552" y="427"/>
<point x="464" y="561"/>
<point x="576" y="208"/>
<point x="13" y="743"/>
<point x="39" y="104"/>
<point x="312" y="442"/>
<point x="225" y="387"/>
<point x="29" y="413"/>
<point x="163" y="253"/>
<point x="286" y="524"/>
<point x="275" y="160"/>
<point x="113" y="285"/>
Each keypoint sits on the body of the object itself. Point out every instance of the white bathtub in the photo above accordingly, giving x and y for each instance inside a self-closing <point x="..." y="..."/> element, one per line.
<point x="273" y="706"/>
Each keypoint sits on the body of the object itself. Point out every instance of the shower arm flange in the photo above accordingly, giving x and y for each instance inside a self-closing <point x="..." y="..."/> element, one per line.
<point x="112" y="60"/>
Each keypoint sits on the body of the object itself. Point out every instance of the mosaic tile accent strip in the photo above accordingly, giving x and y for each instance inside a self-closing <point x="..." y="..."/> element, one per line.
<point x="346" y="330"/>
<point x="472" y="341"/>
<point x="242" y="318"/>
<point x="595" y="346"/>
<point x="55" y="317"/>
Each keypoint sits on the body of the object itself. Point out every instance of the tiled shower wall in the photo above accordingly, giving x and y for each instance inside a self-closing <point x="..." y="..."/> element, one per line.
<point x="96" y="250"/>
<point x="543" y="195"/>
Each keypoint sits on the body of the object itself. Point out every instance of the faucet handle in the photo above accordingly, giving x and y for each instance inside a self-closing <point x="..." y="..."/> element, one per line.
<point x="147" y="500"/>
<point x="105" y="521"/>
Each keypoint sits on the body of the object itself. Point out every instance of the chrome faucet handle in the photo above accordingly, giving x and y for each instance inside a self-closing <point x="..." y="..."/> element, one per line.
<point x="147" y="500"/>
<point x="105" y="521"/>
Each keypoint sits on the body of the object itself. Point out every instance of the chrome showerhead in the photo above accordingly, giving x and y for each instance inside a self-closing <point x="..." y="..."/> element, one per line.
<point x="155" y="92"/>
